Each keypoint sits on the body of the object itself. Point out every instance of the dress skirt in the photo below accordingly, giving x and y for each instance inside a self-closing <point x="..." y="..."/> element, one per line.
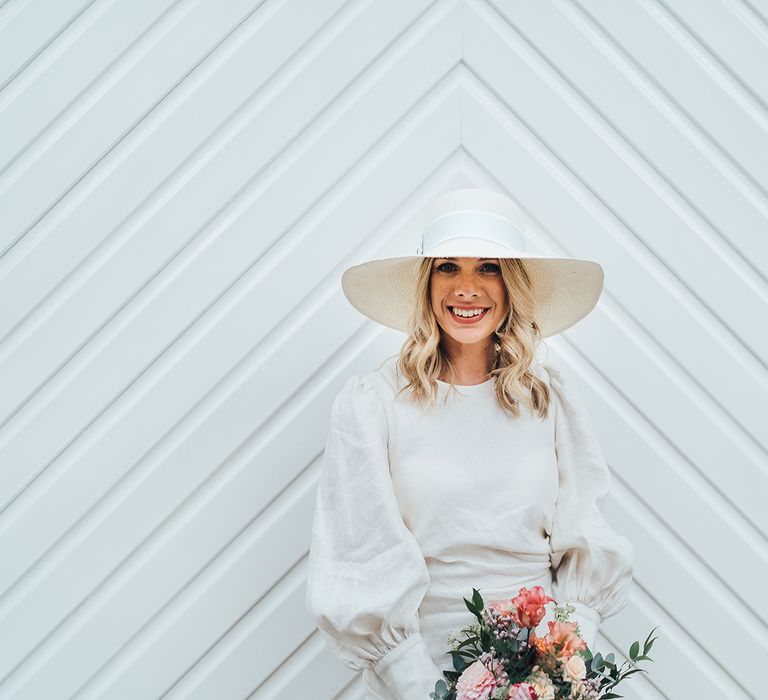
<point x="443" y="610"/>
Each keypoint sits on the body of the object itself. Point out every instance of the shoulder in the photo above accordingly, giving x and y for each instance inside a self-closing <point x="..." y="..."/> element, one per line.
<point x="567" y="398"/>
<point x="367" y="393"/>
<point x="386" y="376"/>
<point x="541" y="370"/>
<point x="557" y="377"/>
<point x="377" y="385"/>
<point x="549" y="372"/>
<point x="551" y="368"/>
<point x="357" y="392"/>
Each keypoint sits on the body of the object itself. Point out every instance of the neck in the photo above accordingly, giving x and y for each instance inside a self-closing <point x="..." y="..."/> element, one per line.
<point x="472" y="363"/>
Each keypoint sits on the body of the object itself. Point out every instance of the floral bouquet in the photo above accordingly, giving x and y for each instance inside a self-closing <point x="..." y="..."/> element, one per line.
<point x="503" y="658"/>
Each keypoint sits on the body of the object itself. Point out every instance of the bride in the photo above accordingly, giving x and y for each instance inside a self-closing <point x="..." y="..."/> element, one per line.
<point x="463" y="461"/>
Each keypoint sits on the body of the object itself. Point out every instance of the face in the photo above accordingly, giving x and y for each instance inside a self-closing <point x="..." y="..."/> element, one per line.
<point x="466" y="285"/>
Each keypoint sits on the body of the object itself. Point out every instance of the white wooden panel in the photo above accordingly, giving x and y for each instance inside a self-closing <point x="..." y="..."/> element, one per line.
<point x="182" y="184"/>
<point x="27" y="29"/>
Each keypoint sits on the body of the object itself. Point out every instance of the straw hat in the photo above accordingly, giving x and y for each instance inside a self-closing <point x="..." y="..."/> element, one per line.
<point x="483" y="224"/>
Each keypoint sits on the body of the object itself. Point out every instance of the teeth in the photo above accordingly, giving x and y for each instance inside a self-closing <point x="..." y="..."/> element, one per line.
<point x="467" y="313"/>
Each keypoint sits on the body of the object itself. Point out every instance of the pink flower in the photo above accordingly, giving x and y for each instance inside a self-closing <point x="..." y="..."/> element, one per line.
<point x="522" y="691"/>
<point x="475" y="683"/>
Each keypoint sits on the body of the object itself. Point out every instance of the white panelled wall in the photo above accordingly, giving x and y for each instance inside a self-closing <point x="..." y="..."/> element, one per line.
<point x="182" y="183"/>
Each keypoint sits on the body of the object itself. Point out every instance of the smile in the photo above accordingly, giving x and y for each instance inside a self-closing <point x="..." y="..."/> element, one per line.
<point x="469" y="316"/>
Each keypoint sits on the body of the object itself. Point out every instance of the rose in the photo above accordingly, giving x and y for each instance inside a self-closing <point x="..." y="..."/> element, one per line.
<point x="574" y="669"/>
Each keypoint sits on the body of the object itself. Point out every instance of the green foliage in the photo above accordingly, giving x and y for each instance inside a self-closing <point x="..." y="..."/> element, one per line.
<point x="476" y="605"/>
<point x="611" y="675"/>
<point x="441" y="691"/>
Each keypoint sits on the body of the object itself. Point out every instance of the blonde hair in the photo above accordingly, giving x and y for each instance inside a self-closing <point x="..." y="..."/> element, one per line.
<point x="422" y="359"/>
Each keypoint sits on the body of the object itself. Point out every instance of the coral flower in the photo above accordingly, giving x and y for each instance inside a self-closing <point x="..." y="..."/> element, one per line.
<point x="530" y="605"/>
<point x="562" y="636"/>
<point x="541" y="644"/>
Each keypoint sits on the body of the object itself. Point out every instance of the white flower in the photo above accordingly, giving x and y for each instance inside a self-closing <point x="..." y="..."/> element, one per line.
<point x="574" y="669"/>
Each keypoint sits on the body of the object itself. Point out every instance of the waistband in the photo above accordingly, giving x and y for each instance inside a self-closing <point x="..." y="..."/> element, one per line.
<point x="497" y="575"/>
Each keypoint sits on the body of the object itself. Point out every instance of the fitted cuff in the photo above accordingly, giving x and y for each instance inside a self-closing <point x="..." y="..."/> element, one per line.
<point x="408" y="669"/>
<point x="589" y="620"/>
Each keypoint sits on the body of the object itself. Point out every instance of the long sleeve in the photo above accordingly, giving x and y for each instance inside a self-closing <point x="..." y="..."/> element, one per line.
<point x="592" y="565"/>
<point x="367" y="574"/>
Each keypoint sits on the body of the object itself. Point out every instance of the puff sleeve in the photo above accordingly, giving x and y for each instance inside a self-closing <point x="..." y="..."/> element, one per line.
<point x="592" y="565"/>
<point x="367" y="575"/>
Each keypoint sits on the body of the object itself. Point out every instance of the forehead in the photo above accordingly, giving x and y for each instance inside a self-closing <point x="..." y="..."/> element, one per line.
<point x="478" y="259"/>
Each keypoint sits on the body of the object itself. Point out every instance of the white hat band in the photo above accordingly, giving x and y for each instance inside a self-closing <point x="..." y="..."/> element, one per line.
<point x="472" y="223"/>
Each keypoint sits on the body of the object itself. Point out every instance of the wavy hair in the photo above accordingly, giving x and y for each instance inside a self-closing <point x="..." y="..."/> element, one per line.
<point x="422" y="358"/>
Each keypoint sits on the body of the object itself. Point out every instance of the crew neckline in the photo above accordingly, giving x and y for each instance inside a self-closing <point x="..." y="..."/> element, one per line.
<point x="468" y="387"/>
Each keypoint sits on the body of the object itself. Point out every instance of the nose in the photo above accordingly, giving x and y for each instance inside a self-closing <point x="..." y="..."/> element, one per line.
<point x="466" y="285"/>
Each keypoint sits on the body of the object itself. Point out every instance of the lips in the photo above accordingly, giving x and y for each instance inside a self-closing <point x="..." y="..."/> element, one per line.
<point x="467" y="320"/>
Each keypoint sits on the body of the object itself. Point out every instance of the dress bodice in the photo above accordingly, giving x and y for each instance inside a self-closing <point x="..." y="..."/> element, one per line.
<point x="416" y="506"/>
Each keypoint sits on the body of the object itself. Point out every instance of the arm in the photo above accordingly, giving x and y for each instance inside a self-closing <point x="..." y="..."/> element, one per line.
<point x="367" y="574"/>
<point x="592" y="564"/>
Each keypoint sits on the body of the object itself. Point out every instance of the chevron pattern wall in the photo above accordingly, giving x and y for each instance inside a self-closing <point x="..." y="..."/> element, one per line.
<point x="182" y="183"/>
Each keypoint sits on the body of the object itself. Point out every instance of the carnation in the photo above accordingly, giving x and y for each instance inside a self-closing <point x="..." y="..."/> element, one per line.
<point x="475" y="683"/>
<point x="542" y="684"/>
<point x="522" y="691"/>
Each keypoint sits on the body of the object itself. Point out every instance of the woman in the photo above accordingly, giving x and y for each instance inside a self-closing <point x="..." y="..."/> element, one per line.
<point x="464" y="462"/>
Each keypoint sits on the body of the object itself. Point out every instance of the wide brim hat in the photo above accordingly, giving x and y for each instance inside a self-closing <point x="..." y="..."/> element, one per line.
<point x="479" y="223"/>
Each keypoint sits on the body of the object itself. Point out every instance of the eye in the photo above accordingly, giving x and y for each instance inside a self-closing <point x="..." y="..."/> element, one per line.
<point x="442" y="266"/>
<point x="447" y="267"/>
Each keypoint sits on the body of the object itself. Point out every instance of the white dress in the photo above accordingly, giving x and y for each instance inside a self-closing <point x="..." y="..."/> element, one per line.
<point x="415" y="507"/>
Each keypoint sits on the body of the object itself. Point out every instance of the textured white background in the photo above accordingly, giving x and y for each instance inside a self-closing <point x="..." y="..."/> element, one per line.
<point x="181" y="185"/>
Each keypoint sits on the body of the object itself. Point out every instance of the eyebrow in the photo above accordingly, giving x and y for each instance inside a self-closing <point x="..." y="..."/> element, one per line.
<point x="480" y="259"/>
